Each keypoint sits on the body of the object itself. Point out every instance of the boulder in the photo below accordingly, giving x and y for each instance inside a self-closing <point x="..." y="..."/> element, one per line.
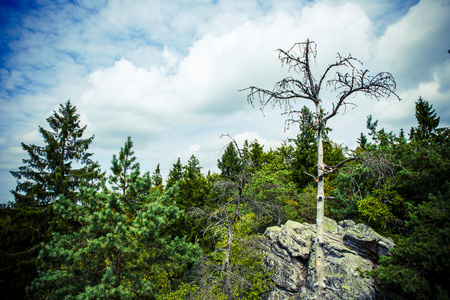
<point x="349" y="250"/>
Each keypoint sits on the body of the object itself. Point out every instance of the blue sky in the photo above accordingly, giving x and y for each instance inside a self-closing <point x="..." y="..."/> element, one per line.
<point x="167" y="73"/>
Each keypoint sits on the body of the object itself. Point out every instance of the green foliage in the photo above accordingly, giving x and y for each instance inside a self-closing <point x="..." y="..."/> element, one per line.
<point x="59" y="168"/>
<point x="383" y="207"/>
<point x="157" y="178"/>
<point x="121" y="250"/>
<point x="305" y="150"/>
<point x="418" y="268"/>
<point x="193" y="185"/>
<point x="184" y="291"/>
<point x="253" y="155"/>
<point x="134" y="241"/>
<point x="193" y="193"/>
<point x="22" y="231"/>
<point x="50" y="169"/>
<point x="348" y="188"/>
<point x="415" y="201"/>
<point x="250" y="278"/>
<point x="305" y="156"/>
<point x="277" y="195"/>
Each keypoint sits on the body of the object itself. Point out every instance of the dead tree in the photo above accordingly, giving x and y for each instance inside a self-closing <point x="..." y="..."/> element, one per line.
<point x="290" y="90"/>
<point x="221" y="221"/>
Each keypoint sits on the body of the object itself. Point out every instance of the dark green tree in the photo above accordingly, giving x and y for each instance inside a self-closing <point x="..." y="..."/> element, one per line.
<point x="193" y="185"/>
<point x="22" y="229"/>
<point x="193" y="192"/>
<point x="230" y="163"/>
<point x="418" y="267"/>
<point x="59" y="167"/>
<point x="253" y="153"/>
<point x="305" y="159"/>
<point x="411" y="204"/>
<point x="234" y="270"/>
<point x="305" y="149"/>
<point x="276" y="194"/>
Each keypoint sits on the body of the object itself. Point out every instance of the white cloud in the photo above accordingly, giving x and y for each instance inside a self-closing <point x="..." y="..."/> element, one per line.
<point x="167" y="73"/>
<point x="415" y="47"/>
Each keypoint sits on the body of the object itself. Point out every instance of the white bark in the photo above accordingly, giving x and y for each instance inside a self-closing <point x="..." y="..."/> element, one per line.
<point x="320" y="288"/>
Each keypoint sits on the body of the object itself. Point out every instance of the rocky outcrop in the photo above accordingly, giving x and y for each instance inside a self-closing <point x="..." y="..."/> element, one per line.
<point x="349" y="247"/>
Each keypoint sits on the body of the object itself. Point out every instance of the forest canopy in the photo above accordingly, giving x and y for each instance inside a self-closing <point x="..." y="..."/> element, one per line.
<point x="80" y="233"/>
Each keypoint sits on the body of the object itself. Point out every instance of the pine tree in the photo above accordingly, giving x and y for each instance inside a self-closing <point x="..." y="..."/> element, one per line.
<point x="125" y="178"/>
<point x="50" y="171"/>
<point x="22" y="230"/>
<point x="122" y="250"/>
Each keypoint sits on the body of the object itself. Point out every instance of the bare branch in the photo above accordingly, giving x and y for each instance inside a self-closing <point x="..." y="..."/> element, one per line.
<point x="331" y="169"/>
<point x="379" y="165"/>
<point x="311" y="175"/>
<point x="287" y="91"/>
<point x="378" y="86"/>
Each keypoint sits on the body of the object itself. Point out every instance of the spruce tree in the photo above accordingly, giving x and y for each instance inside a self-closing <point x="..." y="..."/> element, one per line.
<point x="426" y="119"/>
<point x="230" y="163"/>
<point x="59" y="167"/>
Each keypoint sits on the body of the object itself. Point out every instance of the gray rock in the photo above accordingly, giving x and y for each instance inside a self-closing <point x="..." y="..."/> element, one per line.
<point x="349" y="249"/>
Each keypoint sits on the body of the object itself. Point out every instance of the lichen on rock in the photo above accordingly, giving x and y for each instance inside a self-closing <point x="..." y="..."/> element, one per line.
<point x="349" y="249"/>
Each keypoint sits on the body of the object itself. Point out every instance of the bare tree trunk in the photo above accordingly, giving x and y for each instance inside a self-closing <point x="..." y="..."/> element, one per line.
<point x="227" y="261"/>
<point x="320" y="288"/>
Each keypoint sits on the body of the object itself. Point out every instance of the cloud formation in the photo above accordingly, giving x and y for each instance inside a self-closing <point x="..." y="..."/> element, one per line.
<point x="168" y="73"/>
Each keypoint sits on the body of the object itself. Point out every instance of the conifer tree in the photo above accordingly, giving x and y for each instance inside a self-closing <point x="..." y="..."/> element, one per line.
<point x="253" y="154"/>
<point x="122" y="250"/>
<point x="426" y="119"/>
<point x="51" y="170"/>
<point x="414" y="203"/>
<point x="193" y="185"/>
<point x="126" y="176"/>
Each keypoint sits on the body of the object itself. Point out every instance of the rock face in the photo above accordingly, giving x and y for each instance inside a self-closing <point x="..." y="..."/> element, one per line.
<point x="348" y="247"/>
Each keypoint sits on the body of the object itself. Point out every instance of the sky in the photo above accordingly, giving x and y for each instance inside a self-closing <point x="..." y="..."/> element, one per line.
<point x="168" y="73"/>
